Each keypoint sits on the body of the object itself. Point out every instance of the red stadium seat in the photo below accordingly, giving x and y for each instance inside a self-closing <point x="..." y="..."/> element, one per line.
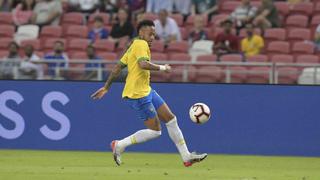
<point x="3" y="54"/>
<point x="316" y="10"/>
<point x="49" y="43"/>
<point x="51" y="32"/>
<point x="256" y="4"/>
<point x="282" y="7"/>
<point x="75" y="45"/>
<point x="302" y="8"/>
<point x="258" y="75"/>
<point x="287" y="75"/>
<point x="108" y="56"/>
<point x="123" y="44"/>
<point x="4" y="43"/>
<point x="275" y="34"/>
<point x="228" y="6"/>
<point x="77" y="70"/>
<point x="179" y="74"/>
<point x="7" y="31"/>
<point x="79" y="55"/>
<point x="278" y="47"/>
<point x="159" y="56"/>
<point x="6" y="18"/>
<point x="73" y="18"/>
<point x="308" y="59"/>
<point x="157" y="46"/>
<point x="299" y="34"/>
<point x="35" y="43"/>
<point x="157" y="76"/>
<point x="190" y="20"/>
<point x="303" y="48"/>
<point x="178" y="70"/>
<point x="258" y="58"/>
<point x="315" y="21"/>
<point x="179" y="57"/>
<point x="209" y="74"/>
<point x="104" y="45"/>
<point x="297" y="21"/>
<point x="238" y="74"/>
<point x="77" y="31"/>
<point x="207" y="58"/>
<point x="282" y="58"/>
<point x="231" y="58"/>
<point x="178" y="47"/>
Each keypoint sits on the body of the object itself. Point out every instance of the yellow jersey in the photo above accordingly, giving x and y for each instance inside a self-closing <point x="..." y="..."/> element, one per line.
<point x="252" y="46"/>
<point x="138" y="80"/>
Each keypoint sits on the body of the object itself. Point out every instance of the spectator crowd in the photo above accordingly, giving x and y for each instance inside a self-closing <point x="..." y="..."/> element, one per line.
<point x="239" y="27"/>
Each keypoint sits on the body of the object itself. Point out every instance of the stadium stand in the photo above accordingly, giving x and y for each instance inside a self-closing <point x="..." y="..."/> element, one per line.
<point x="291" y="43"/>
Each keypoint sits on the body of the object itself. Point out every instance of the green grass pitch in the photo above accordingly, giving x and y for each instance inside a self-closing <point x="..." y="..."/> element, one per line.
<point x="75" y="165"/>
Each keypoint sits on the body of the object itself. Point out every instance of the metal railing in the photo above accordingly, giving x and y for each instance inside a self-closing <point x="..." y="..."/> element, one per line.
<point x="72" y="66"/>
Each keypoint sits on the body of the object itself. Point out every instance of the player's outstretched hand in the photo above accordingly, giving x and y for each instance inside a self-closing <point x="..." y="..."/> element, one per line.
<point x="168" y="68"/>
<point x="99" y="93"/>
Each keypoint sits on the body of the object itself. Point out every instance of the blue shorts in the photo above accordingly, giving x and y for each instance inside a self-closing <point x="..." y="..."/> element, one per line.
<point x="146" y="106"/>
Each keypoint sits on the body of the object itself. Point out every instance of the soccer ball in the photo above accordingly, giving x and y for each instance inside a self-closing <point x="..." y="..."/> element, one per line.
<point x="199" y="113"/>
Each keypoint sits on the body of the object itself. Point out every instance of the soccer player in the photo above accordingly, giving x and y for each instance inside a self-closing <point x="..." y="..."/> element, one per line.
<point x="137" y="92"/>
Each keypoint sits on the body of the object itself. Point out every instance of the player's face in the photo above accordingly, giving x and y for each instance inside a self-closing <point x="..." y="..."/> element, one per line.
<point x="148" y="34"/>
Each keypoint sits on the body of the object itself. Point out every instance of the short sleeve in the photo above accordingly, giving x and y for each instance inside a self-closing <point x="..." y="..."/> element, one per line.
<point x="124" y="60"/>
<point x="140" y="51"/>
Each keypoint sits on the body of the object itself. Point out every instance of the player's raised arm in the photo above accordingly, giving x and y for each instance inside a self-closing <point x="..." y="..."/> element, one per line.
<point x="114" y="74"/>
<point x="146" y="65"/>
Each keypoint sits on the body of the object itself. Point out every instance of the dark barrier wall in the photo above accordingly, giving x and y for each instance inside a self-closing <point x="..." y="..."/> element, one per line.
<point x="246" y="119"/>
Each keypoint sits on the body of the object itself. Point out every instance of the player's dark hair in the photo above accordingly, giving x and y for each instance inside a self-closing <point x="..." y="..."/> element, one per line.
<point x="144" y="23"/>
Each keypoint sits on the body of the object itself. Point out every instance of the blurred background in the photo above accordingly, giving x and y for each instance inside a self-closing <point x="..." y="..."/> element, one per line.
<point x="206" y="41"/>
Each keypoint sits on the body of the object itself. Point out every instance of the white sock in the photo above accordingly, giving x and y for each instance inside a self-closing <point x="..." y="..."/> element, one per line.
<point x="177" y="137"/>
<point x="138" y="137"/>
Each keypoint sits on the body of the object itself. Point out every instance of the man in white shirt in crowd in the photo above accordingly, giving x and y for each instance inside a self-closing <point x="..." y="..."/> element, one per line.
<point x="166" y="28"/>
<point x="30" y="68"/>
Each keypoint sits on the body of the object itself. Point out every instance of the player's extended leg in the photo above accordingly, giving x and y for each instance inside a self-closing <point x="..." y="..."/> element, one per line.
<point x="146" y="112"/>
<point x="174" y="131"/>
